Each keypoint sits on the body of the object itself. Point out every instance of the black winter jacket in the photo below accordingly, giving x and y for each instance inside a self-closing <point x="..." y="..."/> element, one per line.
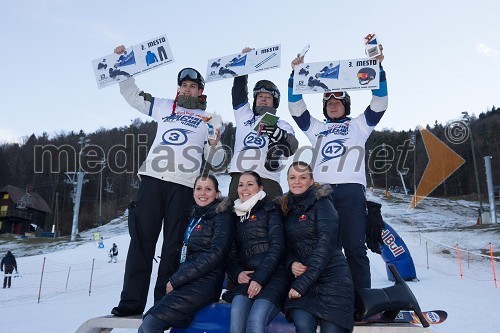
<point x="259" y="246"/>
<point x="8" y="263"/>
<point x="198" y="281"/>
<point x="312" y="236"/>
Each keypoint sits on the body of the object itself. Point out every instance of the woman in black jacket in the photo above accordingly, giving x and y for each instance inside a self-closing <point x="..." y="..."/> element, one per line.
<point x="256" y="261"/>
<point x="322" y="292"/>
<point x="198" y="281"/>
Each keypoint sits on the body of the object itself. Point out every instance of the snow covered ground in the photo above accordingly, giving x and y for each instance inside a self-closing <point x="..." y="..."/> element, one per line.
<point x="78" y="283"/>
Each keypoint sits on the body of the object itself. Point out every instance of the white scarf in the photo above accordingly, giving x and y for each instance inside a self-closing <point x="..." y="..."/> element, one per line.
<point x="242" y="209"/>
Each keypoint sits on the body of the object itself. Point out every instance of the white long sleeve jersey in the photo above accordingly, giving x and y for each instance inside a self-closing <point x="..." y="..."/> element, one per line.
<point x="339" y="147"/>
<point x="181" y="138"/>
<point x="250" y="149"/>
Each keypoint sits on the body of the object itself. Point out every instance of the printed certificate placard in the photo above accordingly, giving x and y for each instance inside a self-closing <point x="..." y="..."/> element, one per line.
<point x="350" y="74"/>
<point x="136" y="60"/>
<point x="244" y="63"/>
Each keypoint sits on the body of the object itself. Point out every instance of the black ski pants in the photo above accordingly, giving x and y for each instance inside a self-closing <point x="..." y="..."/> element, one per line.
<point x="8" y="276"/>
<point x="159" y="203"/>
<point x="350" y="202"/>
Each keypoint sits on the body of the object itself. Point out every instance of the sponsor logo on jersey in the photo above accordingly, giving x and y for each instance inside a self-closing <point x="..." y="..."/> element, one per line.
<point x="187" y="119"/>
<point x="336" y="129"/>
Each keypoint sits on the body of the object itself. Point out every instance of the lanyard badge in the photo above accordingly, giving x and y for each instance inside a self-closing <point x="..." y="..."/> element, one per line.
<point x="192" y="224"/>
<point x="183" y="253"/>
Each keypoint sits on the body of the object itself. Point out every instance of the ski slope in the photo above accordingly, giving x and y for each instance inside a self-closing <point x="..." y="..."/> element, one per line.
<point x="78" y="283"/>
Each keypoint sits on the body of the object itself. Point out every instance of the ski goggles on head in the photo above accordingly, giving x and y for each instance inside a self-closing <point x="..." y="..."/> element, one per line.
<point x="335" y="94"/>
<point x="267" y="87"/>
<point x="190" y="74"/>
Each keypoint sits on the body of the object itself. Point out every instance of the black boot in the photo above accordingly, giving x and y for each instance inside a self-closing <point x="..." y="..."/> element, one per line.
<point x="389" y="300"/>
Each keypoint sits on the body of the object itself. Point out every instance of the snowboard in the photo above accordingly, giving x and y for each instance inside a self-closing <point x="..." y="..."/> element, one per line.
<point x="433" y="317"/>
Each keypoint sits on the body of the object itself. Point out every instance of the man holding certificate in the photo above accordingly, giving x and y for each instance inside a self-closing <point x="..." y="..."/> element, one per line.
<point x="259" y="150"/>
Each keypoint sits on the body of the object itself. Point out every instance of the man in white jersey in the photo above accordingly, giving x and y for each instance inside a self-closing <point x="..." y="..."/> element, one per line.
<point x="165" y="193"/>
<point x="260" y="152"/>
<point x="339" y="146"/>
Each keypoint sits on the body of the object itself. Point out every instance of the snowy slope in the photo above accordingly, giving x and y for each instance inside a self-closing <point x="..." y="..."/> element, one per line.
<point x="431" y="233"/>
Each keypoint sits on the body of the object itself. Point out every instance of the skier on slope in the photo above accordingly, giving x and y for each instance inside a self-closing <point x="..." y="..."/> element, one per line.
<point x="113" y="253"/>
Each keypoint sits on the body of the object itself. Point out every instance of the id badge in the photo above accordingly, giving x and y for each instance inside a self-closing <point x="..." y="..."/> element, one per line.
<point x="183" y="253"/>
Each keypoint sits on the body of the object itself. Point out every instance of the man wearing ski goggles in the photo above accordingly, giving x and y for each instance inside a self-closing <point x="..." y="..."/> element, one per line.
<point x="192" y="75"/>
<point x="340" y="140"/>
<point x="167" y="181"/>
<point x="262" y="151"/>
<point x="335" y="94"/>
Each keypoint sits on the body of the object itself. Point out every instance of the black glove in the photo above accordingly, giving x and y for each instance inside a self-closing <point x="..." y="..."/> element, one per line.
<point x="273" y="157"/>
<point x="374" y="226"/>
<point x="274" y="133"/>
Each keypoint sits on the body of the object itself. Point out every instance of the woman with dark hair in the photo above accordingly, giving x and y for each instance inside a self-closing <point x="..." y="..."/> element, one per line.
<point x="198" y="281"/>
<point x="322" y="292"/>
<point x="256" y="261"/>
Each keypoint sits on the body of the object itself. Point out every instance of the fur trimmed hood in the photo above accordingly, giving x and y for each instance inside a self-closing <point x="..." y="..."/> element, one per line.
<point x="225" y="205"/>
<point x="317" y="192"/>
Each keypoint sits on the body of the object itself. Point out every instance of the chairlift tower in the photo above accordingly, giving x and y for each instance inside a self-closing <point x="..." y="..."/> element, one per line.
<point x="78" y="187"/>
<point x="466" y="118"/>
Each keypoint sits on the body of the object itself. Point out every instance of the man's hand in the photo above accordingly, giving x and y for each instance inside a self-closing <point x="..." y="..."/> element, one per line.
<point x="297" y="61"/>
<point x="274" y="133"/>
<point x="214" y="142"/>
<point x="247" y="49"/>
<point x="119" y="49"/>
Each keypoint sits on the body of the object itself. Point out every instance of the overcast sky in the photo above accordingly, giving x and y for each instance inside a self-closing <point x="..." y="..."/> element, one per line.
<point x="442" y="57"/>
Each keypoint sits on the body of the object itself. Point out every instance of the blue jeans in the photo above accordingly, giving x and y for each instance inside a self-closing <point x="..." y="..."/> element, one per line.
<point x="251" y="316"/>
<point x="306" y="322"/>
<point x="151" y="324"/>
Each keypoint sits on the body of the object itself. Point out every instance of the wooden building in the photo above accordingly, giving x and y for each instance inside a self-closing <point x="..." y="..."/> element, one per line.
<point x="20" y="209"/>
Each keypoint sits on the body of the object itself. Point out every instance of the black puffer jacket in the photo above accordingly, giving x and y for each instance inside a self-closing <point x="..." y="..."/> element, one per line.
<point x="259" y="246"/>
<point x="312" y="231"/>
<point x="198" y="281"/>
<point x="8" y="263"/>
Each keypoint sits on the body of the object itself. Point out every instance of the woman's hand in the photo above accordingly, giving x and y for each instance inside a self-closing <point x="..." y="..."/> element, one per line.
<point x="244" y="277"/>
<point x="298" y="269"/>
<point x="253" y="289"/>
<point x="294" y="294"/>
<point x="169" y="287"/>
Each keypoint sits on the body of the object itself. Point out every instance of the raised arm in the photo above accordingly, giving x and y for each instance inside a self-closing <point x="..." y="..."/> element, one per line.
<point x="239" y="93"/>
<point x="139" y="100"/>
<point x="379" y="101"/>
<point x="296" y="104"/>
